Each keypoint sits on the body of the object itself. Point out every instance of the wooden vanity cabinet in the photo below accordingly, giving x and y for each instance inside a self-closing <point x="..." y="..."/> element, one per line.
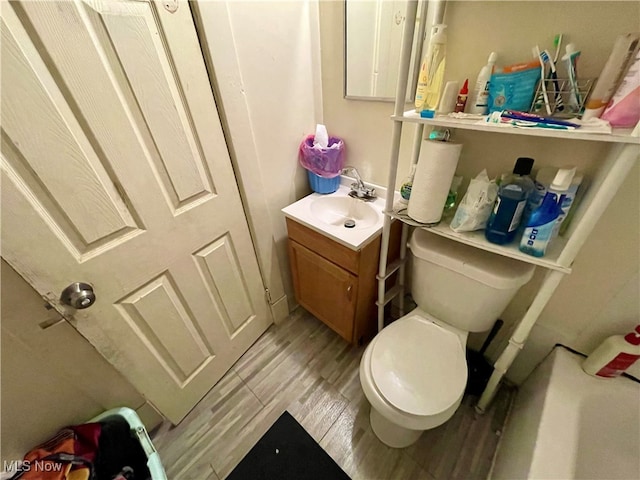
<point x="336" y="284"/>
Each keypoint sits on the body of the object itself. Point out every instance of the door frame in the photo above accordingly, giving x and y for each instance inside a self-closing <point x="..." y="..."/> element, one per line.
<point x="238" y="132"/>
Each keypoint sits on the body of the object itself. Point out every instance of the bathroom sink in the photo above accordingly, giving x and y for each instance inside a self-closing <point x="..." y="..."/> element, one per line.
<point x="344" y="211"/>
<point x="350" y="221"/>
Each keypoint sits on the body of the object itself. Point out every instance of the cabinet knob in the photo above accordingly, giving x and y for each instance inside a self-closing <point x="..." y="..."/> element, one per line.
<point x="349" y="290"/>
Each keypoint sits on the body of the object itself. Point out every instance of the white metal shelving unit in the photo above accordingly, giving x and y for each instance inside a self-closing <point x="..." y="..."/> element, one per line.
<point x="623" y="153"/>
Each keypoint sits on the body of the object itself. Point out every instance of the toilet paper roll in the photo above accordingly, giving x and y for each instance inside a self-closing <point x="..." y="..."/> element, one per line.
<point x="436" y="167"/>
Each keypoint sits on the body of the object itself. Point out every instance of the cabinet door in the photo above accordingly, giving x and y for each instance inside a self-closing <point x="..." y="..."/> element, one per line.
<point x="326" y="290"/>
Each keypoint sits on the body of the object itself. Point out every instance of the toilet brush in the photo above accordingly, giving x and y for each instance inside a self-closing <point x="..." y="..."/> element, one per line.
<point x="479" y="369"/>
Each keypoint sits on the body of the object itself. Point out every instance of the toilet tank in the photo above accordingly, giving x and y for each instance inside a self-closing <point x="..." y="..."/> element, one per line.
<point x="463" y="286"/>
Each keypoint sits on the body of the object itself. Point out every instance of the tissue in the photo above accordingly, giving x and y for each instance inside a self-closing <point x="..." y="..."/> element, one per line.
<point x="321" y="140"/>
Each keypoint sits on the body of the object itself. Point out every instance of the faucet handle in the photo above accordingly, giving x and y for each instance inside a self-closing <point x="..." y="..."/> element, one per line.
<point x="362" y="192"/>
<point x="370" y="192"/>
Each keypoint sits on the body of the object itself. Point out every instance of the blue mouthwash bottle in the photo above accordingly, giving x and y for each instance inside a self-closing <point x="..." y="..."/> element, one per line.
<point x="507" y="211"/>
<point x="539" y="229"/>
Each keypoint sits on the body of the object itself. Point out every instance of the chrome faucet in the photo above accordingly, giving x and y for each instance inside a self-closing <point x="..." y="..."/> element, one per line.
<point x="358" y="188"/>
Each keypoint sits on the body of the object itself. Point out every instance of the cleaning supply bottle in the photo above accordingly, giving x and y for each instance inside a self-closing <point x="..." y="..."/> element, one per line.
<point x="461" y="102"/>
<point x="432" y="73"/>
<point x="539" y="229"/>
<point x="614" y="355"/>
<point x="545" y="176"/>
<point x="509" y="205"/>
<point x="452" y="198"/>
<point x="480" y="97"/>
<point x="534" y="200"/>
<point x="407" y="183"/>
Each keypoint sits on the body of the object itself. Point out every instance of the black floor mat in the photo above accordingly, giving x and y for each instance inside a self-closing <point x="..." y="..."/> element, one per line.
<point x="287" y="452"/>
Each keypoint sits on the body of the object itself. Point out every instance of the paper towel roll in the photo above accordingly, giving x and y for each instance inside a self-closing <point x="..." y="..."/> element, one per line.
<point x="436" y="167"/>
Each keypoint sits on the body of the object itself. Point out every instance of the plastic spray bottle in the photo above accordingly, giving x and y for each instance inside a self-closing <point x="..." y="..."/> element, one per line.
<point x="512" y="197"/>
<point x="545" y="177"/>
<point x="538" y="232"/>
<point x="432" y="73"/>
<point x="480" y="97"/>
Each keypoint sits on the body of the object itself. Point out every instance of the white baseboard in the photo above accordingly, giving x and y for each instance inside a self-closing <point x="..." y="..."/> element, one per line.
<point x="149" y="416"/>
<point x="280" y="310"/>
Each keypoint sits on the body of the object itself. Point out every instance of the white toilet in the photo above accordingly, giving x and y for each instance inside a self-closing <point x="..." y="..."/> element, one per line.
<point x="414" y="372"/>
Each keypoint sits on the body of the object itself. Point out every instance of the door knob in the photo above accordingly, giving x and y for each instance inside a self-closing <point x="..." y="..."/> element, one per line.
<point x="78" y="295"/>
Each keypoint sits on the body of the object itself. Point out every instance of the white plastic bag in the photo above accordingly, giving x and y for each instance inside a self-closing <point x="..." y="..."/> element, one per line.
<point x="475" y="208"/>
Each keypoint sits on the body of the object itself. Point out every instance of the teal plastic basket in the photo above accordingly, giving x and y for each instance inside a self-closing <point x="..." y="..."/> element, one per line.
<point x="137" y="427"/>
<point x="323" y="185"/>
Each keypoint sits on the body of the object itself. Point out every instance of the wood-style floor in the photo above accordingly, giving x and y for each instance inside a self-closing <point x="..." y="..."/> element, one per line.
<point x="304" y="367"/>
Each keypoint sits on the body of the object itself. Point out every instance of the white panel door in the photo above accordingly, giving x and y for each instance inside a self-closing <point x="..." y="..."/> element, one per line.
<point x="116" y="173"/>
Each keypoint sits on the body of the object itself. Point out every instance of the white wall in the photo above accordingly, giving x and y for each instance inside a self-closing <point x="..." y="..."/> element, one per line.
<point x="601" y="296"/>
<point x="50" y="377"/>
<point x="266" y="62"/>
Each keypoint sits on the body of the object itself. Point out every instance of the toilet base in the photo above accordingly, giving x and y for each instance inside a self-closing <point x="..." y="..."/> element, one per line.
<point x="391" y="434"/>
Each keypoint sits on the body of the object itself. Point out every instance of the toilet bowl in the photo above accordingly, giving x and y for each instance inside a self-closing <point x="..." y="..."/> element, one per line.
<point x="414" y="372"/>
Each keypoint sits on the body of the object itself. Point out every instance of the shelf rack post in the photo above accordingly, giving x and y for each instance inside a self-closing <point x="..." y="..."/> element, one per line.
<point x="519" y="337"/>
<point x="611" y="175"/>
<point x="401" y="94"/>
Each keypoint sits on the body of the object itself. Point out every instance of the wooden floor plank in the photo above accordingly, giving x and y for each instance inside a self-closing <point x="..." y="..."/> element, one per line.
<point x="304" y="367"/>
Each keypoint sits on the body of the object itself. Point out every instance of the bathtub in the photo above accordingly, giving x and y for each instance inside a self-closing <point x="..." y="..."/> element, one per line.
<point x="566" y="424"/>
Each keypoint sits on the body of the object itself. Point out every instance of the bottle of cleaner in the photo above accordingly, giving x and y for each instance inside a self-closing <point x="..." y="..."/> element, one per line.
<point x="452" y="198"/>
<point x="545" y="176"/>
<point x="539" y="229"/>
<point x="509" y="205"/>
<point x="614" y="355"/>
<point x="407" y="183"/>
<point x="432" y="73"/>
<point x="480" y="97"/>
<point x="534" y="200"/>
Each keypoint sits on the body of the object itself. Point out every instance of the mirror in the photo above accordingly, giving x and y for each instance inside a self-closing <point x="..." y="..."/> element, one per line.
<point x="373" y="38"/>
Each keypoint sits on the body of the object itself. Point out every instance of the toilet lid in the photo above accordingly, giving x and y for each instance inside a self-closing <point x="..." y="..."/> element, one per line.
<point x="418" y="366"/>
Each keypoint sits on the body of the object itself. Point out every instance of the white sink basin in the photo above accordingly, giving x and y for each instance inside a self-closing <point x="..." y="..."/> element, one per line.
<point x="345" y="212"/>
<point x="327" y="214"/>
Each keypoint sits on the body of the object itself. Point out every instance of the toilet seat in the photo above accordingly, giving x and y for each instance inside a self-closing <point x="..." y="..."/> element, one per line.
<point x="418" y="366"/>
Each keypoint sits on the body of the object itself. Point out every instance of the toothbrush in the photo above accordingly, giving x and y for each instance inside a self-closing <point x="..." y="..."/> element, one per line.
<point x="539" y="100"/>
<point x="515" y="115"/>
<point x="557" y="42"/>
<point x="543" y="86"/>
<point x="571" y="59"/>
<point x="559" y="105"/>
